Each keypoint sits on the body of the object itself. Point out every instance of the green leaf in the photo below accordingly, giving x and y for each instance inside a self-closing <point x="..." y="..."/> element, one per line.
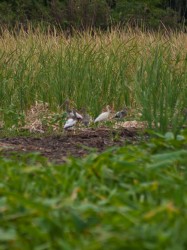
<point x="7" y="235"/>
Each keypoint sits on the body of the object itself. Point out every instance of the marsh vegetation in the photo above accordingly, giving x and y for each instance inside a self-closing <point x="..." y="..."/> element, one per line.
<point x="145" y="71"/>
<point x="127" y="197"/>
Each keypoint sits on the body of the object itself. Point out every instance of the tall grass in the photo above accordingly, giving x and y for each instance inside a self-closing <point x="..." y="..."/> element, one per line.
<point x="143" y="70"/>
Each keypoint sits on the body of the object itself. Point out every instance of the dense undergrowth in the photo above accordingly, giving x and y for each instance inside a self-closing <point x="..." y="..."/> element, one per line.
<point x="133" y="197"/>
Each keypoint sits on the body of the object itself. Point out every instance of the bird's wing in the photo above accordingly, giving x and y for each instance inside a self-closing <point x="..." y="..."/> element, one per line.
<point x="117" y="115"/>
<point x="79" y="116"/>
<point x="69" y="123"/>
<point x="98" y="118"/>
<point x="120" y="114"/>
<point x="102" y="117"/>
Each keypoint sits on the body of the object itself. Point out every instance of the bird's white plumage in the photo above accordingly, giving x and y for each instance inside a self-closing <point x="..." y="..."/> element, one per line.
<point x="69" y="123"/>
<point x="72" y="113"/>
<point x="78" y="116"/>
<point x="103" y="116"/>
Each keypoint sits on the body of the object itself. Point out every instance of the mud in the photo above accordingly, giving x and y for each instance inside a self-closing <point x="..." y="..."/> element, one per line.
<point x="58" y="148"/>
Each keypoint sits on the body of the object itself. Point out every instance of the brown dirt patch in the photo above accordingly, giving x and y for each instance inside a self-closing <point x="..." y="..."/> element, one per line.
<point x="58" y="148"/>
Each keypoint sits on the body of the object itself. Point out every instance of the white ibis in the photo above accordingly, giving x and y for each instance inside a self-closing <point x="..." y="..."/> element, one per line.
<point x="103" y="116"/>
<point x="71" y="114"/>
<point x="121" y="114"/>
<point x="71" y="121"/>
<point x="78" y="116"/>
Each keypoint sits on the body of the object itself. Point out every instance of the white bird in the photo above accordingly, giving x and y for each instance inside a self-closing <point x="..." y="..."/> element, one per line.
<point x="70" y="123"/>
<point x="71" y="114"/>
<point x="103" y="116"/>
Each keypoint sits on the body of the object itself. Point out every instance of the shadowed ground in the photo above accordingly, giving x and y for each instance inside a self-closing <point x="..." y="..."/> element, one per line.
<point x="58" y="148"/>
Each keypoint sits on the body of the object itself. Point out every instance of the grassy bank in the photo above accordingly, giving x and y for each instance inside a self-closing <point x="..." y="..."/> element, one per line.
<point x="146" y="71"/>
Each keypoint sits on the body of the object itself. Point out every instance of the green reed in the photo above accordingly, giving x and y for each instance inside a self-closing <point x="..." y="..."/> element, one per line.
<point x="143" y="71"/>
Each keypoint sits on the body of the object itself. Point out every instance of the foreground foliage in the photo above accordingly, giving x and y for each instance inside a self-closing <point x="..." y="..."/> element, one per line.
<point x="132" y="197"/>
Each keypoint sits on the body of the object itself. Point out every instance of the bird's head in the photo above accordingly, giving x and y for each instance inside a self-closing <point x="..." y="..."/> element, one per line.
<point x="108" y="108"/>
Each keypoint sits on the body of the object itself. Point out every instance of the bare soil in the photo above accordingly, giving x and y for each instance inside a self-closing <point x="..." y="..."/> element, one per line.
<point x="58" y="148"/>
